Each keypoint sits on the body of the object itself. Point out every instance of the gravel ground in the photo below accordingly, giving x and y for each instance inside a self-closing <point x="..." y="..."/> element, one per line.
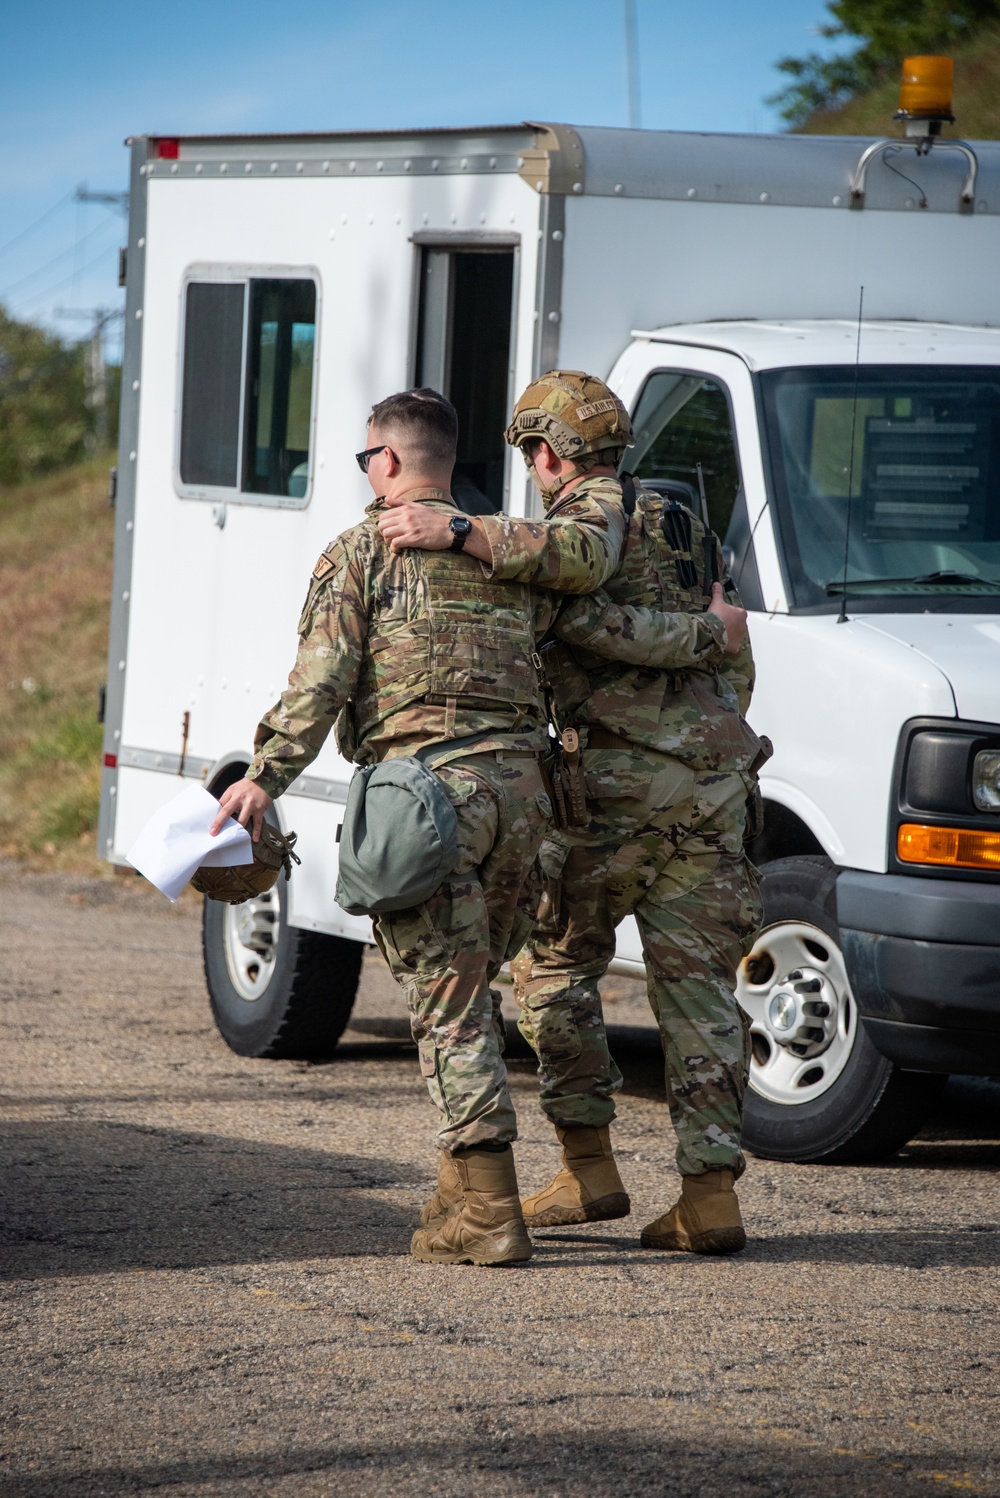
<point x="206" y="1288"/>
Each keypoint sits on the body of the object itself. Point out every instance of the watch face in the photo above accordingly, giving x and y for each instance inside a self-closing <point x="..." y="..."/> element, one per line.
<point x="461" y="525"/>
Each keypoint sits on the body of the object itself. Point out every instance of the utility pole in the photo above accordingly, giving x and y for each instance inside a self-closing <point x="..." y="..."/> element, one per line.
<point x="632" y="64"/>
<point x="95" y="372"/>
<point x="117" y="200"/>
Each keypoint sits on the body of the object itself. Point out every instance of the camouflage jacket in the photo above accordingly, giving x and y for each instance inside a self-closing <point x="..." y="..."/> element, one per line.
<point x="374" y="661"/>
<point x="644" y="660"/>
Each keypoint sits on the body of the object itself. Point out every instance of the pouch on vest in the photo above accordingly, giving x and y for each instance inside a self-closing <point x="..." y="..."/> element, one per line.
<point x="399" y="838"/>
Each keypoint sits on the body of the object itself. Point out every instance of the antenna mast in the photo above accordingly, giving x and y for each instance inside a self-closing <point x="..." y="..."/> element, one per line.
<point x="632" y="65"/>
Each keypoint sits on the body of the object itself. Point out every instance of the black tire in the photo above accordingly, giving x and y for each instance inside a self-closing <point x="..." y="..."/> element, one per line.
<point x="305" y="1001"/>
<point x="872" y="1107"/>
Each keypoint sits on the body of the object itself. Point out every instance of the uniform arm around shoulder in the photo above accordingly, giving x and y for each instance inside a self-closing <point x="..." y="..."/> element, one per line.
<point x="641" y="636"/>
<point x="332" y="632"/>
<point x="575" y="552"/>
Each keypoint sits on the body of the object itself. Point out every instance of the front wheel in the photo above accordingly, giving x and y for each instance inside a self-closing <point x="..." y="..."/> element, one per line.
<point x="819" y="1090"/>
<point x="277" y="991"/>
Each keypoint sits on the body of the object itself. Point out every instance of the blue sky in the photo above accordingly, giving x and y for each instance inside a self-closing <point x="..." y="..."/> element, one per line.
<point x="79" y="78"/>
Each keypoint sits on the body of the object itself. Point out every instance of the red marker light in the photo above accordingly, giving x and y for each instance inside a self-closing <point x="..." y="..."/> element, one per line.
<point x="111" y="761"/>
<point x="168" y="150"/>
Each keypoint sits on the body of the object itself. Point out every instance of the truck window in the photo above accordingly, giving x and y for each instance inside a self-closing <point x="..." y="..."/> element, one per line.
<point x="464" y="350"/>
<point x="247" y="388"/>
<point x="684" y="434"/>
<point x="910" y="509"/>
<point x="212" y="382"/>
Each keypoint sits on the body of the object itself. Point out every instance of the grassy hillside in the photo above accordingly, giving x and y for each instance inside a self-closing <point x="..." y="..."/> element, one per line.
<point x="976" y="99"/>
<point x="55" y="581"/>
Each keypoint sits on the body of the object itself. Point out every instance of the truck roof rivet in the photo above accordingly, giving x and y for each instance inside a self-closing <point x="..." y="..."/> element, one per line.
<point x="482" y="218"/>
<point x="435" y="165"/>
<point x="493" y="162"/>
<point x="274" y="166"/>
<point x="908" y="203"/>
<point x="352" y="166"/>
<point x="173" y="169"/>
<point x="135" y="384"/>
<point x="426" y="218"/>
<point x="619" y="189"/>
<point x="198" y="169"/>
<point x="553" y="317"/>
<point x="692" y="192"/>
<point x="141" y="243"/>
<point x="128" y="525"/>
<point x="464" y="163"/>
<point x="557" y="235"/>
<point x="836" y="201"/>
<point x="131" y="456"/>
<point x="299" y="166"/>
<point x="520" y="162"/>
<point x="765" y="196"/>
<point x="138" y="313"/>
<point x="248" y="167"/>
<point x="223" y="166"/>
<point x="407" y="165"/>
<point x="380" y="166"/>
<point x="578" y="187"/>
<point x="326" y="166"/>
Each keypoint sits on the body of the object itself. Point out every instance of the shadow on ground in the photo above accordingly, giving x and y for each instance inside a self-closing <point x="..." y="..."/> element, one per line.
<point x="85" y="1198"/>
<point x="502" y="1463"/>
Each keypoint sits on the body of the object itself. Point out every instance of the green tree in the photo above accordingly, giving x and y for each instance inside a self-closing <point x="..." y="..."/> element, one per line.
<point x="44" y="421"/>
<point x="888" y="31"/>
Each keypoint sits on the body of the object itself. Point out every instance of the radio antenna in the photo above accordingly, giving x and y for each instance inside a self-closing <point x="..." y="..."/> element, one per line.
<point x="842" y="619"/>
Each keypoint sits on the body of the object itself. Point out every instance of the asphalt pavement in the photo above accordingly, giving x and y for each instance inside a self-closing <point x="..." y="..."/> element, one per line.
<point x="205" y="1287"/>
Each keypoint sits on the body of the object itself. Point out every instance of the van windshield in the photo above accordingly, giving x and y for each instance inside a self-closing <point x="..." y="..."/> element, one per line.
<point x="893" y="486"/>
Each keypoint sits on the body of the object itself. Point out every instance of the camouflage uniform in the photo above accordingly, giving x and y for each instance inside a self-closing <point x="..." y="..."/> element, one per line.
<point x="401" y="650"/>
<point x="667" y="762"/>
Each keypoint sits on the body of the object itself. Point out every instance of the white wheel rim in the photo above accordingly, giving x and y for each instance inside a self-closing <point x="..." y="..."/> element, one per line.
<point x="251" y="944"/>
<point x="794" y="973"/>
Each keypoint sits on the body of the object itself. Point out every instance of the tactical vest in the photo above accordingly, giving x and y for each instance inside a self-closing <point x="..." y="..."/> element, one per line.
<point x="669" y="565"/>
<point x="442" y="633"/>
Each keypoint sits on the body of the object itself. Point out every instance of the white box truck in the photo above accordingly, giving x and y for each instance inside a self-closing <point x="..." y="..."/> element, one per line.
<point x="277" y="286"/>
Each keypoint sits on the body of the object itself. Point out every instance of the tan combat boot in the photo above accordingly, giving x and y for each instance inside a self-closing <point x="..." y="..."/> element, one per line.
<point x="706" y="1219"/>
<point x="447" y="1196"/>
<point x="587" y="1189"/>
<point x="488" y="1227"/>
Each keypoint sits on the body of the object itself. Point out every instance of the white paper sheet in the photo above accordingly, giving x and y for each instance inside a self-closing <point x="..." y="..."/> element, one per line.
<point x="176" y="840"/>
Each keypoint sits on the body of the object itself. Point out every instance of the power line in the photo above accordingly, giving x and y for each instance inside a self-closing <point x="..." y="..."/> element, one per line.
<point x="41" y="295"/>
<point x="32" y="227"/>
<point x="63" y="255"/>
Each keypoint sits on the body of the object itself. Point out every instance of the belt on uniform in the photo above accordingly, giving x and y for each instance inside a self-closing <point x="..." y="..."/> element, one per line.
<point x="599" y="737"/>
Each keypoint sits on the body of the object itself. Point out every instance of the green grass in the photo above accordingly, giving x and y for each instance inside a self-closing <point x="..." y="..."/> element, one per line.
<point x="55" y="578"/>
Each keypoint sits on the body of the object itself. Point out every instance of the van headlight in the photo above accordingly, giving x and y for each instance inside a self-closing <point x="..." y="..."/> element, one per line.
<point x="986" y="780"/>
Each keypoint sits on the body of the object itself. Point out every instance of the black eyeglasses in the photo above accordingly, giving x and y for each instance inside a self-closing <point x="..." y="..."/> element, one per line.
<point x="363" y="459"/>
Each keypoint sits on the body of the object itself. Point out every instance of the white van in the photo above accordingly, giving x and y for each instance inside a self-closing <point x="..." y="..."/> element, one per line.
<point x="278" y="286"/>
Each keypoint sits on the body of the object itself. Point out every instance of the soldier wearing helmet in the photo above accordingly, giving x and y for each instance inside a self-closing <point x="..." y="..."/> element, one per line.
<point x="668" y="769"/>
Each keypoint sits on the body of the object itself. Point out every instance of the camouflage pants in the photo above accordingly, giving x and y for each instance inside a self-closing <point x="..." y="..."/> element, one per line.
<point x="664" y="844"/>
<point x="446" y="952"/>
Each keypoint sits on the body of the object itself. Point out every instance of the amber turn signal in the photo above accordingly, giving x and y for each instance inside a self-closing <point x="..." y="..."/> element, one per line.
<point x="953" y="847"/>
<point x="925" y="88"/>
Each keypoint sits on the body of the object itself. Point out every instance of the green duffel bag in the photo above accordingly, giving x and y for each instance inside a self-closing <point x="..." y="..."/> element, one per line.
<point x="399" y="837"/>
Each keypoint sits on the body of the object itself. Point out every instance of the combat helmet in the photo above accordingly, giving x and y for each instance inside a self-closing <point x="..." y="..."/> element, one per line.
<point x="274" y="852"/>
<point x="577" y="415"/>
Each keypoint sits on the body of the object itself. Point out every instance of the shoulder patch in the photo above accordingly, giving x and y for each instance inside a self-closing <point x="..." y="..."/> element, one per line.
<point x="324" y="566"/>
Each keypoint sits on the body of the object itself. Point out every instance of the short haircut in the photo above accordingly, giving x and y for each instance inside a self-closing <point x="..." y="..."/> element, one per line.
<point x="421" y="423"/>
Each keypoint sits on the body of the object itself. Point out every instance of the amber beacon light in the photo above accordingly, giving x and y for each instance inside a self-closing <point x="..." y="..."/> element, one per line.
<point x="924" y="106"/>
<point x="948" y="846"/>
<point x="925" y="94"/>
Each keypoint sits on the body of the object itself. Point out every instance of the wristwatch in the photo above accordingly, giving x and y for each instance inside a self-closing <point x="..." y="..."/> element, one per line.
<point x="460" y="527"/>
